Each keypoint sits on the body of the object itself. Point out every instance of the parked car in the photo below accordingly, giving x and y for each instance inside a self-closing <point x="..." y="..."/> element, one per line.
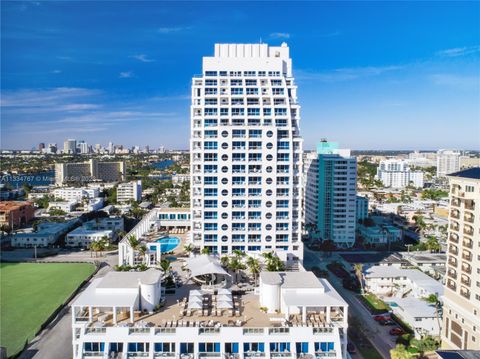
<point x="381" y="317"/>
<point x="387" y="322"/>
<point x="351" y="348"/>
<point x="397" y="331"/>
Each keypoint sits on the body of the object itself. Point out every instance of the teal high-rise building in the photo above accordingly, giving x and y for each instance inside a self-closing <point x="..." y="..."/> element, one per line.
<point x="330" y="194"/>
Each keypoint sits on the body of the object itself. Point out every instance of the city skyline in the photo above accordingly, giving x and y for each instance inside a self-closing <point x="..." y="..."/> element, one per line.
<point x="100" y="72"/>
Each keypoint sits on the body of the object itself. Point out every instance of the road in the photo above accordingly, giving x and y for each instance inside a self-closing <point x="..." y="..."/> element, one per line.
<point x="377" y="334"/>
<point x="55" y="342"/>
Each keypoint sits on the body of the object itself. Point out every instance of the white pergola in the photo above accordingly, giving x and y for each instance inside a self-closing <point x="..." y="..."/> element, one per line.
<point x="91" y="300"/>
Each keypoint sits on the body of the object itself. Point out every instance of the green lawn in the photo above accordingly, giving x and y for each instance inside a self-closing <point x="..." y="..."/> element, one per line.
<point x="376" y="303"/>
<point x="30" y="292"/>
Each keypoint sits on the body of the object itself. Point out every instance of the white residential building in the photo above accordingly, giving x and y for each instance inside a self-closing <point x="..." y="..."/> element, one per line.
<point x="180" y="178"/>
<point x="83" y="237"/>
<point x="294" y="315"/>
<point x="94" y="204"/>
<point x="130" y="191"/>
<point x="397" y="174"/>
<point x="76" y="193"/>
<point x="330" y="194"/>
<point x="93" y="170"/>
<point x="246" y="152"/>
<point x="397" y="282"/>
<point x="66" y="206"/>
<point x="448" y="161"/>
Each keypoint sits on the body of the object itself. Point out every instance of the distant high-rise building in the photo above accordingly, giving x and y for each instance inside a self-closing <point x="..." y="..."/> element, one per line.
<point x="396" y="173"/>
<point x="246" y="152"/>
<point x="52" y="148"/>
<point x="330" y="194"/>
<point x="461" y="300"/>
<point x="41" y="146"/>
<point x="111" y="148"/>
<point x="161" y="149"/>
<point x="83" y="148"/>
<point x="93" y="170"/>
<point x="70" y="146"/>
<point x="448" y="161"/>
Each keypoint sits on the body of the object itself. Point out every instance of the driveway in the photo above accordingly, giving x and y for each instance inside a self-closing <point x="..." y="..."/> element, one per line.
<point x="377" y="334"/>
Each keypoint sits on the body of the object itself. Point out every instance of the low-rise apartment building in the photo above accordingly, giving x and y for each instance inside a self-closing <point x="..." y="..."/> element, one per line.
<point x="15" y="214"/>
<point x="46" y="234"/>
<point x="379" y="235"/>
<point x="76" y="194"/>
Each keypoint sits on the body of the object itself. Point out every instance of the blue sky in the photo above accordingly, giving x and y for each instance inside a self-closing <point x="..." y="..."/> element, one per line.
<point x="373" y="75"/>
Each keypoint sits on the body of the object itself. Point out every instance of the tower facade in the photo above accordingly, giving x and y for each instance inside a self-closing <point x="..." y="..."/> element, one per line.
<point x="461" y="300"/>
<point x="246" y="152"/>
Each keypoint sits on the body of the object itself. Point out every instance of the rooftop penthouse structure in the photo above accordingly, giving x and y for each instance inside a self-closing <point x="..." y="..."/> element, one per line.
<point x="290" y="315"/>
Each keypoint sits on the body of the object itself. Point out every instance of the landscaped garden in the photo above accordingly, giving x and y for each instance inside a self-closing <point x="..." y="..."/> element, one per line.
<point x="30" y="293"/>
<point x="375" y="304"/>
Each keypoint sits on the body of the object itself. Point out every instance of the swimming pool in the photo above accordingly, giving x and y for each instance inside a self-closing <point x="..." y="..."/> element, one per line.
<point x="168" y="244"/>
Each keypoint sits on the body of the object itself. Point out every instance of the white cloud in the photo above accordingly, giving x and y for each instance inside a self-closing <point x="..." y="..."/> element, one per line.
<point x="44" y="97"/>
<point x="169" y="30"/>
<point x="126" y="74"/>
<point x="142" y="58"/>
<point x="459" y="51"/>
<point x="463" y="82"/>
<point x="344" y="74"/>
<point x="279" y="35"/>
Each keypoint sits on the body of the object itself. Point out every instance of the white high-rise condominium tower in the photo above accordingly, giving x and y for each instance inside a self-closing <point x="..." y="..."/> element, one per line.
<point x="246" y="152"/>
<point x="448" y="161"/>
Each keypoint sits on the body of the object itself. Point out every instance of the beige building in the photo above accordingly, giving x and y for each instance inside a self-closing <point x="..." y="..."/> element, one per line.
<point x="93" y="170"/>
<point x="461" y="310"/>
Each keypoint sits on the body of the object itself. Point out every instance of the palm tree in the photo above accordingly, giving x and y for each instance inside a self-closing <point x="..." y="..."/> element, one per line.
<point x="235" y="265"/>
<point x="224" y="261"/>
<point x="433" y="245"/>
<point x="94" y="247"/>
<point x="205" y="250"/>
<point x="433" y="299"/>
<point x="188" y="248"/>
<point x="238" y="253"/>
<point x="358" y="267"/>
<point x="165" y="266"/>
<point x="133" y="241"/>
<point x="142" y="250"/>
<point x="253" y="265"/>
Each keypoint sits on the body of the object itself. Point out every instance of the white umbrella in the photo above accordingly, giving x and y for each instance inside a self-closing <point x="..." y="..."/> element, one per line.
<point x="196" y="292"/>
<point x="224" y="291"/>
<point x="224" y="298"/>
<point x="195" y="305"/>
<point x="224" y="304"/>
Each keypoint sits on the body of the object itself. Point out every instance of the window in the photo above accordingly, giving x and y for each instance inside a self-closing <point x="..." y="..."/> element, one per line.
<point x="210" y="73"/>
<point x="210" y="157"/>
<point x="210" y="192"/>
<point x="238" y="111"/>
<point x="210" y="226"/>
<point x="210" y="134"/>
<point x="253" y="112"/>
<point x="210" y="180"/>
<point x="252" y="91"/>
<point x="210" y="82"/>
<point x="237" y="91"/>
<point x="209" y="203"/>
<point x="280" y="112"/>
<point x="211" y="122"/>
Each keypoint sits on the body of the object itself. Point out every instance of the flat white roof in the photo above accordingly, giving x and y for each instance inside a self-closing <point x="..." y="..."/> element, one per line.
<point x="419" y="278"/>
<point x="90" y="296"/>
<point x="414" y="307"/>
<point x="291" y="279"/>
<point x="328" y="298"/>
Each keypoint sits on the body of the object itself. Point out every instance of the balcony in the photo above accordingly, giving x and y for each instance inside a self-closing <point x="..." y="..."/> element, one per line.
<point x="467" y="256"/>
<point x="455" y="202"/>
<point x="452" y="261"/>
<point x="452" y="274"/>
<point x="453" y="238"/>
<point x="453" y="251"/>
<point x="465" y="293"/>
<point x="455" y="214"/>
<point x="451" y="285"/>
<point x="468" y="231"/>
<point x="466" y="268"/>
<point x="467" y="243"/>
<point x="470" y="218"/>
<point x="470" y="205"/>
<point x="466" y="280"/>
